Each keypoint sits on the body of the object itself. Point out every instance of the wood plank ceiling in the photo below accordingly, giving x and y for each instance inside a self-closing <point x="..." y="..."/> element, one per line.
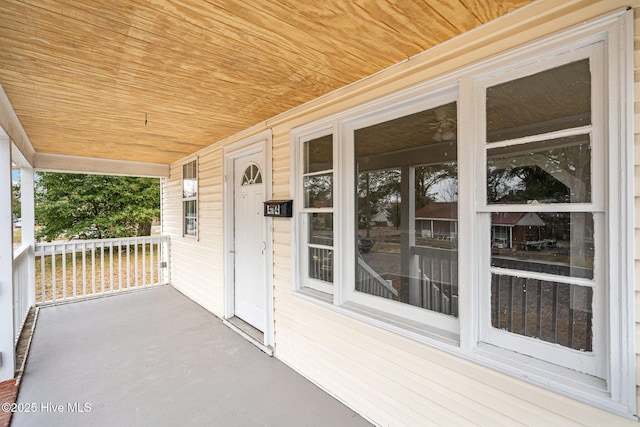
<point x="155" y="80"/>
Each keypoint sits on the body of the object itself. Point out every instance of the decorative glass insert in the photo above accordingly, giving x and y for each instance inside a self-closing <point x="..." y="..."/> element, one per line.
<point x="551" y="100"/>
<point x="252" y="175"/>
<point x="407" y="209"/>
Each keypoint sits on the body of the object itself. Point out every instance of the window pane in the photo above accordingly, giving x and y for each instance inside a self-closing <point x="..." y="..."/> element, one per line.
<point x="318" y="191"/>
<point x="543" y="242"/>
<point x="554" y="171"/>
<point x="189" y="180"/>
<point x="559" y="98"/>
<point x="321" y="229"/>
<point x="321" y="264"/>
<point x="410" y="158"/>
<point x="550" y="311"/>
<point x="190" y="217"/>
<point x="318" y="154"/>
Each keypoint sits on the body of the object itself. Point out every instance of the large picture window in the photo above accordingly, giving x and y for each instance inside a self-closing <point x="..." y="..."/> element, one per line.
<point x="406" y="210"/>
<point x="485" y="214"/>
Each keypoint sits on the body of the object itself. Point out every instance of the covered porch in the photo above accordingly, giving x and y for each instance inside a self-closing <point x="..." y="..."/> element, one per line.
<point x="154" y="357"/>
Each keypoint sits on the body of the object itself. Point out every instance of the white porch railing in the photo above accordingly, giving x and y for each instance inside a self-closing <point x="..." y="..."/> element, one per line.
<point x="21" y="303"/>
<point x="87" y="268"/>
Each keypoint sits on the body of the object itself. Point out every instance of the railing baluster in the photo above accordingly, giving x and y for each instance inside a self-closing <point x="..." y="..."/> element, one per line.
<point x="135" y="258"/>
<point x="93" y="268"/>
<point x="144" y="263"/>
<point x="111" y="266"/>
<point x="160" y="278"/>
<point x="64" y="271"/>
<point x="75" y="271"/>
<point x="102" y="267"/>
<point x="151" y="263"/>
<point x="84" y="269"/>
<point x="128" y="267"/>
<point x="54" y="287"/>
<point x="42" y="273"/>
<point x="120" y="265"/>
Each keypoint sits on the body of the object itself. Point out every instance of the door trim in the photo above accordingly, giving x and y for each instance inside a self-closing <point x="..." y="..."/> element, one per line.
<point x="260" y="143"/>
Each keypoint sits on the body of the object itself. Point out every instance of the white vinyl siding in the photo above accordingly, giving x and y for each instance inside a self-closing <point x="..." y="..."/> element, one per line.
<point x="390" y="379"/>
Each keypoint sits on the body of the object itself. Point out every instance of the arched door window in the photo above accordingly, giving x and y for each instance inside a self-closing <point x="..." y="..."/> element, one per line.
<point x="252" y="175"/>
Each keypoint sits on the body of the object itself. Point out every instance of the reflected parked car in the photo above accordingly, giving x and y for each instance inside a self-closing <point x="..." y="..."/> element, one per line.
<point x="364" y="244"/>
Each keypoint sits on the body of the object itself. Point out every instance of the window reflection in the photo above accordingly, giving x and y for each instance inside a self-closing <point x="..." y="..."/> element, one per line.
<point x="318" y="191"/>
<point x="407" y="210"/>
<point x="559" y="243"/>
<point x="553" y="171"/>
<point x="551" y="100"/>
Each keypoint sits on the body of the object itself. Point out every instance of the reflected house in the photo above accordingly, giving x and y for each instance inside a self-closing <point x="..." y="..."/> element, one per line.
<point x="509" y="230"/>
<point x="381" y="219"/>
<point x="438" y="220"/>
<point x="515" y="230"/>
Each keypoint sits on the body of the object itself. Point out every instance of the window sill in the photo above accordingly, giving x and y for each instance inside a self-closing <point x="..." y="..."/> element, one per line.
<point x="396" y="324"/>
<point x="573" y="384"/>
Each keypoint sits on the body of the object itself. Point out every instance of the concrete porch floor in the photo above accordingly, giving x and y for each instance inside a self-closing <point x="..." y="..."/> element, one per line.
<point x="155" y="358"/>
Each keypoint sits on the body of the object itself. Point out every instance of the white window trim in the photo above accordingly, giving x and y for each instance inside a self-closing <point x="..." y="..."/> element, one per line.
<point x="302" y="213"/>
<point x="593" y="362"/>
<point x="195" y="198"/>
<point x="617" y="393"/>
<point x="346" y="189"/>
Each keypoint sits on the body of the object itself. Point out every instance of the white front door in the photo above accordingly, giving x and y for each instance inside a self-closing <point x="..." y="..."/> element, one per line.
<point x="250" y="288"/>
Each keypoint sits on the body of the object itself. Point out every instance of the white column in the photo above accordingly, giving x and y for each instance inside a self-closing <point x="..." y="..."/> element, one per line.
<point x="27" y="207"/>
<point x="7" y="346"/>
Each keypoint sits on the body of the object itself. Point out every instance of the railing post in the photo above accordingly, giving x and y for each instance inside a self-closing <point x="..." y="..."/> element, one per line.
<point x="27" y="207"/>
<point x="7" y="345"/>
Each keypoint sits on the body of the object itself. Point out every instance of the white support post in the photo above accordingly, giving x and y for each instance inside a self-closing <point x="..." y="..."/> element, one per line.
<point x="7" y="345"/>
<point x="27" y="207"/>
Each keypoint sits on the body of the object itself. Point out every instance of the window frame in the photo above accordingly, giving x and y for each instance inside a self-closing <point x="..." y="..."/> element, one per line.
<point x="594" y="362"/>
<point x="194" y="198"/>
<point x="434" y="97"/>
<point x="303" y="213"/>
<point x="616" y="391"/>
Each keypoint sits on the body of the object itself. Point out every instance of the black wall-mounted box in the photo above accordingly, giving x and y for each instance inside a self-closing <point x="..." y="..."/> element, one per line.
<point x="278" y="208"/>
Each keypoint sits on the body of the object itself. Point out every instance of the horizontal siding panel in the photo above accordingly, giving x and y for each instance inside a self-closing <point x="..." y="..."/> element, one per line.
<point x="427" y="361"/>
<point x="388" y="411"/>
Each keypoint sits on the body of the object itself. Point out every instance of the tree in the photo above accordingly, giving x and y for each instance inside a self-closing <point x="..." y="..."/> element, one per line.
<point x="95" y="206"/>
<point x="16" y="208"/>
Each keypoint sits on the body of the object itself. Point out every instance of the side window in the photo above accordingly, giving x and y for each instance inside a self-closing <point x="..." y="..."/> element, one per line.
<point x="317" y="212"/>
<point x="190" y="198"/>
